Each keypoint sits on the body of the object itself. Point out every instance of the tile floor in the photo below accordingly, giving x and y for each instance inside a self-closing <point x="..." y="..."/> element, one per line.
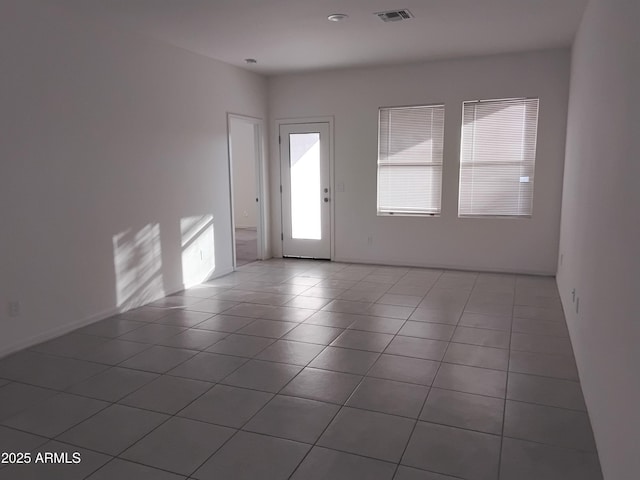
<point x="295" y="369"/>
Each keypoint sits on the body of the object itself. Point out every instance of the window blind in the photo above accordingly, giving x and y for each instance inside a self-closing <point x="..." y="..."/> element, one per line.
<point x="497" y="157"/>
<point x="410" y="145"/>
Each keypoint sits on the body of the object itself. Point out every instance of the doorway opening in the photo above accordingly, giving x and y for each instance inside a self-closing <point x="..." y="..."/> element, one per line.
<point x="305" y="177"/>
<point x="245" y="169"/>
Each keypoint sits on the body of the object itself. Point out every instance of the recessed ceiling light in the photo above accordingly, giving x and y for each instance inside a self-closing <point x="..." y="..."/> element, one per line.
<point x="337" y="17"/>
<point x="250" y="60"/>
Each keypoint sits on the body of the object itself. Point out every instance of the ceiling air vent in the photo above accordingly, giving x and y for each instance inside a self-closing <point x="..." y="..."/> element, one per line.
<point x="394" y="15"/>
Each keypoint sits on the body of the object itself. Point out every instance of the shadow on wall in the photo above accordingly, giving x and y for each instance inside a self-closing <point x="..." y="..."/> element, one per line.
<point x="137" y="258"/>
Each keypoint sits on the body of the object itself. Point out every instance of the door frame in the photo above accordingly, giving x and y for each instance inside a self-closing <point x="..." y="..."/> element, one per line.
<point x="260" y="168"/>
<point x="303" y="120"/>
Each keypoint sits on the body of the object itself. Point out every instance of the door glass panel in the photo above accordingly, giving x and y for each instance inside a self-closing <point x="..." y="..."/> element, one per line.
<point x="304" y="151"/>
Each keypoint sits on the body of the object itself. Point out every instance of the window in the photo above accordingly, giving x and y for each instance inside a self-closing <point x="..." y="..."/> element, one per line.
<point x="410" y="160"/>
<point x="497" y="157"/>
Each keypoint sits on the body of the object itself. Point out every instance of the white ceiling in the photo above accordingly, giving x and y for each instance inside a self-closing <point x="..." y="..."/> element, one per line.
<point x="295" y="35"/>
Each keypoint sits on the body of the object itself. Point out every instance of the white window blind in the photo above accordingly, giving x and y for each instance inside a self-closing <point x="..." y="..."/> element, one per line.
<point x="410" y="146"/>
<point x="497" y="158"/>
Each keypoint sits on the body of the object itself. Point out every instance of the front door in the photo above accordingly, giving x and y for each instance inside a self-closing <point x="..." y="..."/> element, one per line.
<point x="306" y="192"/>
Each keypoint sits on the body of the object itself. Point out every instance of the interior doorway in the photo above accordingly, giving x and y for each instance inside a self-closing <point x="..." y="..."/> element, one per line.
<point x="245" y="166"/>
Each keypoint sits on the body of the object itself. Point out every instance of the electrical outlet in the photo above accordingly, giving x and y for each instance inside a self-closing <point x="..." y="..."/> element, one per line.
<point x="13" y="309"/>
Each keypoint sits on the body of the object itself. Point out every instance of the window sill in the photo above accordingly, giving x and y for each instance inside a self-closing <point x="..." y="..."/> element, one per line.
<point x="497" y="217"/>
<point x="422" y="215"/>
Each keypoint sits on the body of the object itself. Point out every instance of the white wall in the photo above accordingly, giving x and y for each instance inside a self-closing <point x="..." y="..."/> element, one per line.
<point x="243" y="154"/>
<point x="600" y="234"/>
<point x="114" y="151"/>
<point x="353" y="97"/>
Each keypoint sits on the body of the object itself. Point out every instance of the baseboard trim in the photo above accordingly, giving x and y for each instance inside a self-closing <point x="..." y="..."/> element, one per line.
<point x="215" y="274"/>
<point x="74" y="325"/>
<point x="60" y="330"/>
<point x="459" y="268"/>
<point x="71" y="326"/>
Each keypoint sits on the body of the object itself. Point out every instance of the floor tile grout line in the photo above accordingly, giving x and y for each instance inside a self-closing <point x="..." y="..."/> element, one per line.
<point x="172" y="416"/>
<point x="431" y="387"/>
<point x="415" y="424"/>
<point x="169" y="416"/>
<point x="257" y="412"/>
<point x="118" y="456"/>
<point x="342" y="406"/>
<point x="105" y="371"/>
<point x="506" y="394"/>
<point x="111" y="366"/>
<point x="112" y="459"/>
<point x="219" y="382"/>
<point x="200" y="350"/>
<point x="334" y="416"/>
<point x="240" y="429"/>
<point x="339" y="328"/>
<point x="379" y="354"/>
